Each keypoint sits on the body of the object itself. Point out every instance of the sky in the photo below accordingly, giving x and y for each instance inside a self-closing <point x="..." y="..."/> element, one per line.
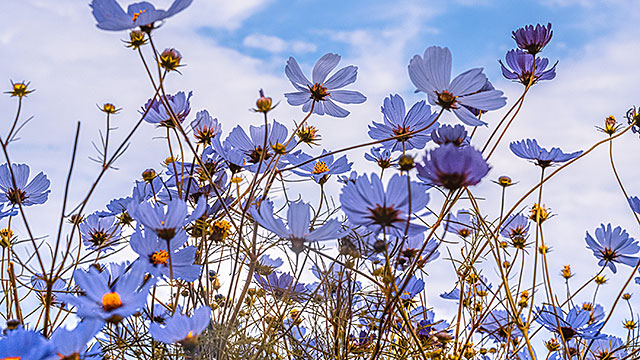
<point x="233" y="48"/>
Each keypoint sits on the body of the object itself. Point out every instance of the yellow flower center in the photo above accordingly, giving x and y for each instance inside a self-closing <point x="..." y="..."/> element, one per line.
<point x="320" y="167"/>
<point x="111" y="301"/>
<point x="160" y="257"/>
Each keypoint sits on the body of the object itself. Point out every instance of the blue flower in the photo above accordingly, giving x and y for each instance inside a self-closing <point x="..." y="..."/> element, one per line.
<point x="410" y="252"/>
<point x="380" y="156"/>
<point x="447" y="134"/>
<point x="298" y="222"/>
<point x="251" y="146"/>
<point x="323" y="92"/>
<point x="182" y="329"/>
<point x="516" y="228"/>
<point x="575" y="323"/>
<point x="99" y="232"/>
<point x="40" y="286"/>
<point x="266" y="265"/>
<point x="609" y="347"/>
<point x="110" y="296"/>
<point x="366" y="203"/>
<point x="533" y="39"/>
<point x="110" y="15"/>
<point x="154" y="254"/>
<point x="500" y="326"/>
<point x="26" y="344"/>
<point x="613" y="246"/>
<point x="166" y="220"/>
<point x="36" y="192"/>
<point x="398" y="122"/>
<point x="453" y="167"/>
<point x="205" y="127"/>
<point x="529" y="149"/>
<point x="72" y="344"/>
<point x="432" y="75"/>
<point x="282" y="286"/>
<point x="634" y="203"/>
<point x="321" y="169"/>
<point x="413" y="288"/>
<point x="521" y="68"/>
<point x="158" y="114"/>
<point x="350" y="178"/>
<point x="462" y="223"/>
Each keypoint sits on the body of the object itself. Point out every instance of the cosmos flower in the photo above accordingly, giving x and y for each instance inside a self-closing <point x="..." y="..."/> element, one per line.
<point x="205" y="127"/>
<point x="462" y="223"/>
<point x="453" y="167"/>
<point x="501" y="326"/>
<point x="182" y="329"/>
<point x="520" y="68"/>
<point x="158" y="114"/>
<point x="609" y="347"/>
<point x="350" y="178"/>
<point x="447" y="134"/>
<point x="529" y="149"/>
<point x="281" y="286"/>
<point x="575" y="323"/>
<point x="166" y="220"/>
<point x="414" y="287"/>
<point x="152" y="252"/>
<point x="251" y="147"/>
<point x="322" y="92"/>
<point x="426" y="324"/>
<point x="266" y="265"/>
<point x="431" y="74"/>
<point x="110" y="15"/>
<point x="533" y="39"/>
<point x="516" y="228"/>
<point x="613" y="246"/>
<point x="321" y="169"/>
<point x="72" y="344"/>
<point x="110" y="295"/>
<point x="99" y="232"/>
<point x="634" y="203"/>
<point x="298" y="223"/>
<point x="398" y="122"/>
<point x="366" y="203"/>
<point x="36" y="192"/>
<point x="410" y="252"/>
<point x="380" y="156"/>
<point x="26" y="344"/>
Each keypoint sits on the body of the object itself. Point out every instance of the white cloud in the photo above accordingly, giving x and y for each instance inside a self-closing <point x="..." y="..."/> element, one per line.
<point x="276" y="45"/>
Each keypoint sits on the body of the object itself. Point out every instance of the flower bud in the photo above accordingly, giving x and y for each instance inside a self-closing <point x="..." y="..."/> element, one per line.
<point x="6" y="235"/>
<point x="109" y="108"/>
<point x="405" y="162"/>
<point x="263" y="104"/>
<point x="136" y="39"/>
<point x="19" y="89"/>
<point x="148" y="175"/>
<point x="170" y="59"/>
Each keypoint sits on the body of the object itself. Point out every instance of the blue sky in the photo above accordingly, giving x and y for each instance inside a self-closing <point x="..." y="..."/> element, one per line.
<point x="74" y="66"/>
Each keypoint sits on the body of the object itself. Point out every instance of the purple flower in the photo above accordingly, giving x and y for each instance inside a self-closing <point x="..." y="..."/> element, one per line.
<point x="282" y="286"/>
<point x="521" y="68"/>
<point x="500" y="326"/>
<point x="453" y="167"/>
<point x="321" y="169"/>
<point x="366" y="203"/>
<point x="447" y="134"/>
<point x="168" y="220"/>
<point x="153" y="252"/>
<point x="398" y="122"/>
<point x="298" y="223"/>
<point x="110" y="15"/>
<point x="72" y="344"/>
<point x="613" y="246"/>
<point x="609" y="347"/>
<point x="158" y="114"/>
<point x="575" y="323"/>
<point x="410" y="251"/>
<point x="634" y="203"/>
<point x="99" y="232"/>
<point x="26" y="344"/>
<point x="323" y="92"/>
<point x="533" y="39"/>
<point x="36" y="192"/>
<point x="40" y="286"/>
<point x="205" y="127"/>
<point x="461" y="224"/>
<point x="380" y="156"/>
<point x="529" y="149"/>
<point x="248" y="149"/>
<point x="413" y="288"/>
<point x="431" y="74"/>
<point x="110" y="296"/>
<point x="182" y="329"/>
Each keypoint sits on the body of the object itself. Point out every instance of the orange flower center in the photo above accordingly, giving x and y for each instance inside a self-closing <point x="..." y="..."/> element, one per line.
<point x="137" y="14"/>
<point x="111" y="301"/>
<point x="320" y="167"/>
<point x="160" y="257"/>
